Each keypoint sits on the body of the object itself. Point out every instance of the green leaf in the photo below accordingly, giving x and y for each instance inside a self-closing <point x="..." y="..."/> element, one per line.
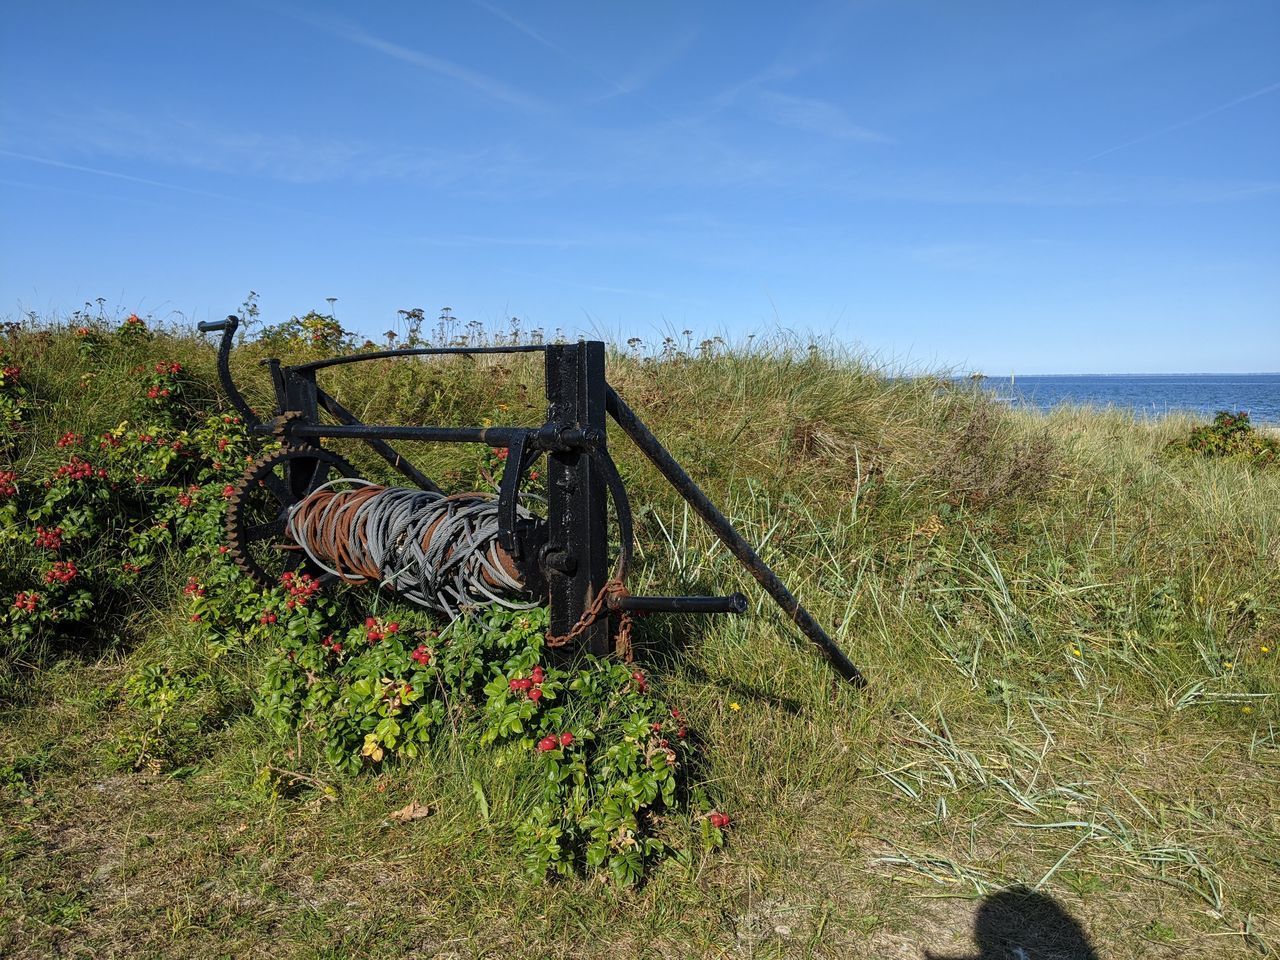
<point x="626" y="868"/>
<point x="481" y="800"/>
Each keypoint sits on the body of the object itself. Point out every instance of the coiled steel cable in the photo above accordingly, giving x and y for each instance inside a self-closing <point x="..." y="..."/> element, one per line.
<point x="438" y="551"/>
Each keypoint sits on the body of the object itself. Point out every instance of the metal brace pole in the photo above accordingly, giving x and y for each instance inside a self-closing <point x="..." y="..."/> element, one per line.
<point x="720" y="525"/>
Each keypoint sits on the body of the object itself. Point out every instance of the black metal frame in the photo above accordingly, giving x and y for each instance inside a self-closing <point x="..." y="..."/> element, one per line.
<point x="565" y="556"/>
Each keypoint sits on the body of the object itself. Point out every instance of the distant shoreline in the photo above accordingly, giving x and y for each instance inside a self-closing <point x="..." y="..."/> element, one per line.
<point x="1198" y="395"/>
<point x="1133" y="376"/>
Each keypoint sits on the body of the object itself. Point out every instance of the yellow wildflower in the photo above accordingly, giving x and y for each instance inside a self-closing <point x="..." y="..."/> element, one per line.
<point x="735" y="706"/>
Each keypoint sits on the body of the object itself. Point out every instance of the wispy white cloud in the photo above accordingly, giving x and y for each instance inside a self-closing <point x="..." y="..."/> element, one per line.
<point x="112" y="174"/>
<point x="181" y="141"/>
<point x="617" y="86"/>
<point x="481" y="83"/>
<point x="816" y="116"/>
<point x="949" y="187"/>
<point x="463" y="240"/>
<point x="534" y="35"/>
<point x="227" y="201"/>
<point x="958" y="255"/>
<point x="654" y="65"/>
<point x="1270" y="88"/>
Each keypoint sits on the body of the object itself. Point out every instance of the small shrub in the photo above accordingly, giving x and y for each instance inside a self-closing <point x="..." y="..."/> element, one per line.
<point x="609" y="754"/>
<point x="1230" y="435"/>
<point x="312" y="331"/>
<point x="980" y="466"/>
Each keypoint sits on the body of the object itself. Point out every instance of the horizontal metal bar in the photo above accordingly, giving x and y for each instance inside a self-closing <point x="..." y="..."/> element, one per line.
<point x="493" y="436"/>
<point x="546" y="437"/>
<point x="734" y="603"/>
<point x="416" y="352"/>
<point x="383" y="449"/>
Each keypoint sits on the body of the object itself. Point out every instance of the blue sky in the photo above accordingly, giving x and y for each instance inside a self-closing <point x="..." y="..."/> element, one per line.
<point x="1084" y="187"/>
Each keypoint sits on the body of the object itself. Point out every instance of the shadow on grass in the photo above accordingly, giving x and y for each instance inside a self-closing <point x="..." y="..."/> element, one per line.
<point x="665" y="642"/>
<point x="737" y="690"/>
<point x="1022" y="924"/>
<point x="21" y="667"/>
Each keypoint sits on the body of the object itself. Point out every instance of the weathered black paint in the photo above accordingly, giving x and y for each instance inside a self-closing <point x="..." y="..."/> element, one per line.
<point x="733" y="603"/>
<point x="576" y="492"/>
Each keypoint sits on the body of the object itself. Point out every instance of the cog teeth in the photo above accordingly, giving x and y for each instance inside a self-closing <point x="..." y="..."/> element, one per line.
<point x="249" y="482"/>
<point x="235" y="549"/>
<point x="280" y="426"/>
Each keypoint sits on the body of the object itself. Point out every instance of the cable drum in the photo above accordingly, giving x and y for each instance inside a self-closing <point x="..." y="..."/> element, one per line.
<point x="438" y="551"/>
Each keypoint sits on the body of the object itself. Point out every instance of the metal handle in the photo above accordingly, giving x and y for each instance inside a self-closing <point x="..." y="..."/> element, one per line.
<point x="734" y="603"/>
<point x="228" y="328"/>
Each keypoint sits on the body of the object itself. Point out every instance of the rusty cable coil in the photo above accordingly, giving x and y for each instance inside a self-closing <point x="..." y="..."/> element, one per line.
<point x="438" y="551"/>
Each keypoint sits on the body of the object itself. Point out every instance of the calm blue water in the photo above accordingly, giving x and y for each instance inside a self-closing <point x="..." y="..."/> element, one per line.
<point x="1203" y="394"/>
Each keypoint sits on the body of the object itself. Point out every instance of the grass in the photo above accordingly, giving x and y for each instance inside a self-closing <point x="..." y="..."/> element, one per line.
<point x="1061" y="624"/>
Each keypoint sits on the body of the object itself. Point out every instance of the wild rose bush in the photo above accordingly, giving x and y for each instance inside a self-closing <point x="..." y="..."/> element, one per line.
<point x="82" y="532"/>
<point x="1230" y="435"/>
<point x="609" y="755"/>
<point x="120" y="511"/>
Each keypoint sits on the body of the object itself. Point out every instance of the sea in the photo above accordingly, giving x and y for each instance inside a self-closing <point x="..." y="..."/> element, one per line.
<point x="1201" y="394"/>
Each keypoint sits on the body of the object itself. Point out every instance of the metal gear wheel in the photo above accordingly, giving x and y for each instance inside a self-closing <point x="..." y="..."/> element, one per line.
<point x="258" y="509"/>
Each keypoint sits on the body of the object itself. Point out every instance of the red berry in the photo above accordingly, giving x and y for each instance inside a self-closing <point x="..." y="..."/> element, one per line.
<point x="538" y="675"/>
<point x="566" y="738"/>
<point x="535" y="694"/>
<point x="547" y="743"/>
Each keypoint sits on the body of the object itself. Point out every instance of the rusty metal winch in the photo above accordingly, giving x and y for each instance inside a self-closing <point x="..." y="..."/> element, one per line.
<point x="303" y="508"/>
